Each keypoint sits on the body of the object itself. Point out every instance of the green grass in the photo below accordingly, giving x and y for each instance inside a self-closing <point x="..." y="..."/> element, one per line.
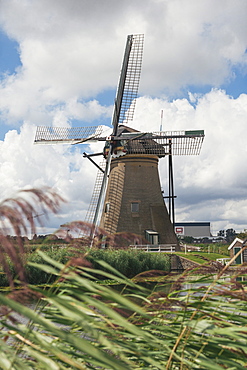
<point x="195" y="256"/>
<point x="211" y="256"/>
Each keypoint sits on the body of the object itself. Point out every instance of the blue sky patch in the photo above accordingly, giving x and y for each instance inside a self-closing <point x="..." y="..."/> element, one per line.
<point x="9" y="55"/>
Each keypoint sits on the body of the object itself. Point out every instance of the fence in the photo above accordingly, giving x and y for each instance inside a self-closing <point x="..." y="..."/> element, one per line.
<point x="224" y="261"/>
<point x="165" y="248"/>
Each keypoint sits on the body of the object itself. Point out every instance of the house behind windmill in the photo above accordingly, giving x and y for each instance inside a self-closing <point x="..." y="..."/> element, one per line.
<point x="235" y="247"/>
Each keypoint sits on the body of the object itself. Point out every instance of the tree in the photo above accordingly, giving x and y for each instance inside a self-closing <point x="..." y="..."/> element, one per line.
<point x="243" y="234"/>
<point x="221" y="233"/>
<point x="230" y="235"/>
<point x="188" y="239"/>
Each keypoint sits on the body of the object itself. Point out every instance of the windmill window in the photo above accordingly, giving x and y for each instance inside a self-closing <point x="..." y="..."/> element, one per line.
<point x="134" y="207"/>
<point x="107" y="207"/>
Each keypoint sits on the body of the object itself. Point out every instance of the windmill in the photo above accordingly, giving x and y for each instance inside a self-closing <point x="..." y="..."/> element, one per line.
<point x="128" y="197"/>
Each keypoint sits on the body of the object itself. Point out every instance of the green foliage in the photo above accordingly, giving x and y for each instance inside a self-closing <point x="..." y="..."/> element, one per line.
<point x="228" y="234"/>
<point x="86" y="325"/>
<point x="52" y="241"/>
<point x="18" y="217"/>
<point x="188" y="239"/>
<point x="130" y="262"/>
<point x="33" y="274"/>
<point x="242" y="235"/>
<point x="81" y="323"/>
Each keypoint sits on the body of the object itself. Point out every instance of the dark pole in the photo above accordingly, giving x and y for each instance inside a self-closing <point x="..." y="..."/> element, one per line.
<point x="171" y="187"/>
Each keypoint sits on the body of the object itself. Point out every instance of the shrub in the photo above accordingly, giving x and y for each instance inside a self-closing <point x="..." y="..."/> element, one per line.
<point x="35" y="275"/>
<point x="130" y="262"/>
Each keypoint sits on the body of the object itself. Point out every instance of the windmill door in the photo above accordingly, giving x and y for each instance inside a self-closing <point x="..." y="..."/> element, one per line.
<point x="152" y="236"/>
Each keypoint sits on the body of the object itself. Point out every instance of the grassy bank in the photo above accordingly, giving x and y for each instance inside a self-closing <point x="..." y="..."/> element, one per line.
<point x="201" y="257"/>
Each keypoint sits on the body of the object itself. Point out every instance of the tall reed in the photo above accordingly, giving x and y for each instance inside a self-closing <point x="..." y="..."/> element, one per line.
<point x="81" y="324"/>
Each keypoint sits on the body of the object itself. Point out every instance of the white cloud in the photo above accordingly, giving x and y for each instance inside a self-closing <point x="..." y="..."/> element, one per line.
<point x="25" y="165"/>
<point x="71" y="50"/>
<point x="211" y="186"/>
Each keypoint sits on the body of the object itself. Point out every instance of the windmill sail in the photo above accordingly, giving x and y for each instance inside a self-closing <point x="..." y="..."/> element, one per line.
<point x="126" y="93"/>
<point x="123" y="111"/>
<point x="129" y="81"/>
<point x="95" y="195"/>
<point x="66" y="135"/>
<point x="162" y="143"/>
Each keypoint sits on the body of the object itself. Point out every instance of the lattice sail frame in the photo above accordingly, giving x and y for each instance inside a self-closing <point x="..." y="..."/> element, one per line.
<point x="132" y="78"/>
<point x="164" y="143"/>
<point x="158" y="143"/>
<point x="66" y="135"/>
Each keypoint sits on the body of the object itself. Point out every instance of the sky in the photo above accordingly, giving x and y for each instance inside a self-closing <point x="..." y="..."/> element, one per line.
<point x="59" y="65"/>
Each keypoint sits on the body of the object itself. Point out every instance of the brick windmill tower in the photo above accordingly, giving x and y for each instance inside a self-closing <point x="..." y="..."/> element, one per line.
<point x="134" y="200"/>
<point x="127" y="196"/>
